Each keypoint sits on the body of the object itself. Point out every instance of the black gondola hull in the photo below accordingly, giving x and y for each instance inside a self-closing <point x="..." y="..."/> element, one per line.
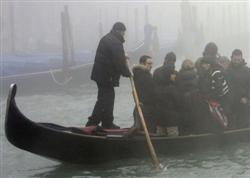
<point x="66" y="146"/>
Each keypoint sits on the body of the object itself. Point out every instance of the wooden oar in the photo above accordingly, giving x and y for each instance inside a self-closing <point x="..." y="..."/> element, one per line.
<point x="150" y="145"/>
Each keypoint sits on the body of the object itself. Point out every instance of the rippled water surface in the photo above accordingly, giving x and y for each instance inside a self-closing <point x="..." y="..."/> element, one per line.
<point x="73" y="106"/>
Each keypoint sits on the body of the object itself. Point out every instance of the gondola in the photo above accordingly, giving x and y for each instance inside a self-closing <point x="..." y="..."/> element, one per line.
<point x="69" y="144"/>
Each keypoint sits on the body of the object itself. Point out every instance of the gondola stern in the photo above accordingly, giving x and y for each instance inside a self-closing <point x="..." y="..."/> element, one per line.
<point x="12" y="91"/>
<point x="9" y="110"/>
<point x="10" y="99"/>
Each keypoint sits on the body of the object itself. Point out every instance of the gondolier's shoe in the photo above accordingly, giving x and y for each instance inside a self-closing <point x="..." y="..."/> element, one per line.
<point x="110" y="126"/>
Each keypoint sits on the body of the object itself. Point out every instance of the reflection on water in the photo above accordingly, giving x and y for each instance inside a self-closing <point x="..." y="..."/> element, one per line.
<point x="72" y="107"/>
<point x="129" y="168"/>
<point x="233" y="161"/>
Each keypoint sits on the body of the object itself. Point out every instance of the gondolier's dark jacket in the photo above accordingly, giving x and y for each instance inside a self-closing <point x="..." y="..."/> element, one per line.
<point x="110" y="60"/>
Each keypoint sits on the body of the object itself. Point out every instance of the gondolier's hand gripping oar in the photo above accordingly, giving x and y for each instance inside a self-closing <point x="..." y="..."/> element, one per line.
<point x="137" y="103"/>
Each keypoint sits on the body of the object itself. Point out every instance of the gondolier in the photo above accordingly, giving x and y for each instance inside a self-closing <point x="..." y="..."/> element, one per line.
<point x="109" y="65"/>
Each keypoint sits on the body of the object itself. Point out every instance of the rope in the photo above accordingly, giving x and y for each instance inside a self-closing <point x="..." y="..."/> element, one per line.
<point x="57" y="82"/>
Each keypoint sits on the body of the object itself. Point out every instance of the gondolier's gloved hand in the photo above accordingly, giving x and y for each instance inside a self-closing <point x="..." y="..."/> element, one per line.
<point x="128" y="72"/>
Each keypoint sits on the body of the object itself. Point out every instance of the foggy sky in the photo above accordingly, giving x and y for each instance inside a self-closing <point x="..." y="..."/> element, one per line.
<point x="36" y="26"/>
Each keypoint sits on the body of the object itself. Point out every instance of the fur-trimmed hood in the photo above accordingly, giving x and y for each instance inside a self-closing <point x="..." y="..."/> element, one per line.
<point x="139" y="70"/>
<point x="144" y="84"/>
<point x="139" y="67"/>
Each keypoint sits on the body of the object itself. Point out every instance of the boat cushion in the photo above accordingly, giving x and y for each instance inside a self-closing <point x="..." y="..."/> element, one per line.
<point x="90" y="130"/>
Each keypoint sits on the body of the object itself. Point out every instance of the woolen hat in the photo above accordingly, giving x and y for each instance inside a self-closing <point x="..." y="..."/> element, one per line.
<point x="119" y="26"/>
<point x="170" y="57"/>
<point x="211" y="49"/>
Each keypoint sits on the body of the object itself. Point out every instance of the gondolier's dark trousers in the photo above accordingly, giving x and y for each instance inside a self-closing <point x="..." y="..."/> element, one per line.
<point x="104" y="106"/>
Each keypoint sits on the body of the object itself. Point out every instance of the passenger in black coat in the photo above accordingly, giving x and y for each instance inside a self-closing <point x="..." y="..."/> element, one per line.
<point x="187" y="84"/>
<point x="212" y="81"/>
<point x="167" y="95"/>
<point x="109" y="65"/>
<point x="146" y="92"/>
<point x="239" y="79"/>
<point x="213" y="86"/>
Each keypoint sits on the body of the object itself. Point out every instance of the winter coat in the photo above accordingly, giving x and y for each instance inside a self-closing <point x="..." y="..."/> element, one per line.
<point x="167" y="96"/>
<point x="239" y="81"/>
<point x="144" y="85"/>
<point x="187" y="81"/>
<point x="145" y="89"/>
<point x="110" y="60"/>
<point x="164" y="86"/>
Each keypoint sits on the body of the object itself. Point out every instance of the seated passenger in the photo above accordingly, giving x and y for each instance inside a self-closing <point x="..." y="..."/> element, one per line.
<point x="239" y="80"/>
<point x="187" y="83"/>
<point x="146" y="93"/>
<point x="187" y="77"/>
<point x="213" y="87"/>
<point x="167" y="95"/>
<point x="213" y="72"/>
<point x="212" y="82"/>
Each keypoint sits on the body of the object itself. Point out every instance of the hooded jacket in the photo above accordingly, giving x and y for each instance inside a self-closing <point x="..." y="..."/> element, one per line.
<point x="187" y="80"/>
<point x="164" y="86"/>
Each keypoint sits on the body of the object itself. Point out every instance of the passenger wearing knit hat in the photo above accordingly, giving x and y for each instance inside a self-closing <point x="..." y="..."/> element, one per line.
<point x="169" y="60"/>
<point x="210" y="55"/>
<point x="167" y="93"/>
<point x="170" y="57"/>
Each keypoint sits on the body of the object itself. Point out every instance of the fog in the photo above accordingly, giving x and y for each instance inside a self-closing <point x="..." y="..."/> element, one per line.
<point x="32" y="30"/>
<point x="182" y="26"/>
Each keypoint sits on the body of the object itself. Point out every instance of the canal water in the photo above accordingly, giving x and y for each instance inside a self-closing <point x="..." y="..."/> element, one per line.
<point x="72" y="107"/>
